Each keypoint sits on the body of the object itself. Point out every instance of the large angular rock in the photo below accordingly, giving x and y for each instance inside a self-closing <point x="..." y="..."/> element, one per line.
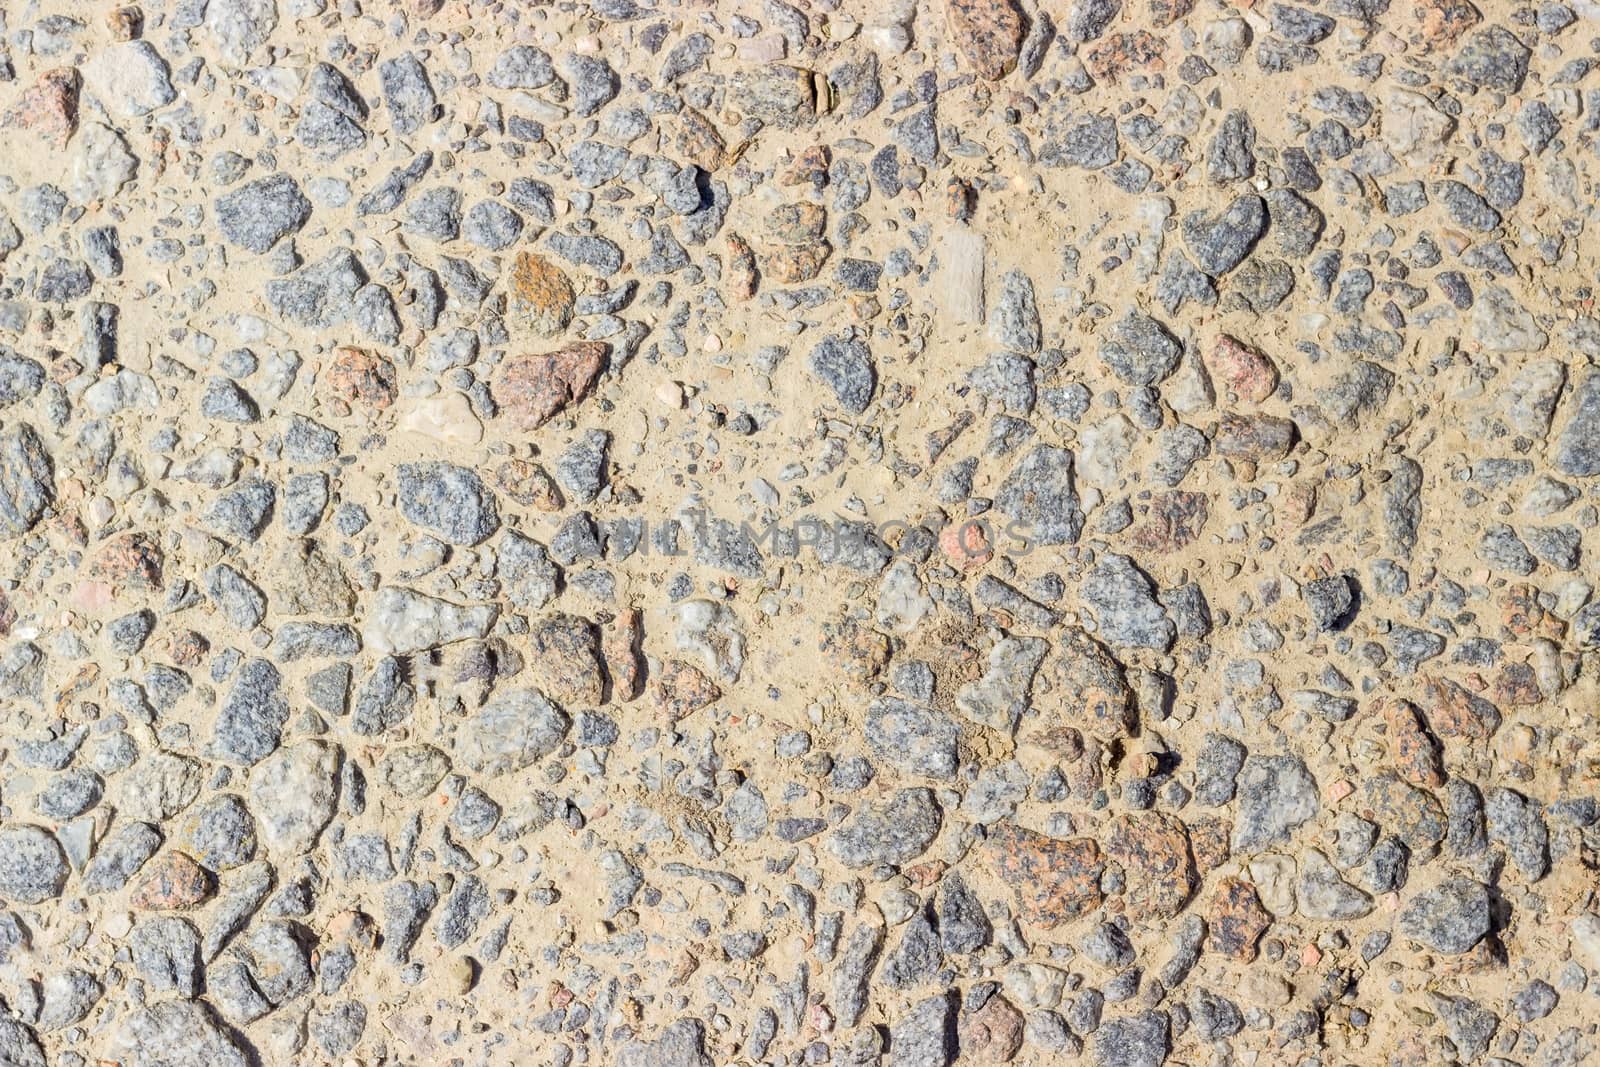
<point x="988" y="32"/>
<point x="533" y="389"/>
<point x="1125" y="605"/>
<point x="1452" y="917"/>
<point x="1219" y="242"/>
<point x="293" y="793"/>
<point x="845" y="367"/>
<point x="1041" y="499"/>
<point x="895" y="831"/>
<point x="1578" y="446"/>
<point x="259" y="214"/>
<point x="999" y="698"/>
<point x="914" y="740"/>
<point x="250" y="723"/>
<point x="1276" y="794"/>
<point x="680" y="1045"/>
<point x="1153" y="850"/>
<point x="1056" y="880"/>
<point x="175" y="1033"/>
<point x="514" y="729"/>
<point x="448" y="499"/>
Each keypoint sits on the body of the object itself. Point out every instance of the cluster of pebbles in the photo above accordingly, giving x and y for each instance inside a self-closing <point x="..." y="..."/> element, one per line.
<point x="681" y="533"/>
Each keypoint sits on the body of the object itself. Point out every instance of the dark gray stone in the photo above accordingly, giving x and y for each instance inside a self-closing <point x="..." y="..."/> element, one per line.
<point x="1276" y="794"/>
<point x="1139" y="350"/>
<point x="450" y="500"/>
<point x="1220" y="241"/>
<point x="1451" y="917"/>
<point x="845" y="366"/>
<point x="259" y="214"/>
<point x="250" y="724"/>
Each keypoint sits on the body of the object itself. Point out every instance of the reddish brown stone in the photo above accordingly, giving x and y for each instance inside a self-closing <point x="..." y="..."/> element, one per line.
<point x="1297" y="504"/>
<point x="129" y="561"/>
<point x="354" y="928"/>
<point x="965" y="546"/>
<point x="800" y="223"/>
<point x="619" y="644"/>
<point x="809" y="168"/>
<point x="864" y="307"/>
<point x="989" y="33"/>
<point x="189" y="648"/>
<point x="1174" y="520"/>
<point x="793" y="264"/>
<point x="540" y="297"/>
<point x="565" y="659"/>
<point x="1416" y="754"/>
<point x="1444" y="21"/>
<point x="1090" y="689"/>
<point x="49" y="108"/>
<point x="1253" y="437"/>
<point x="742" y="275"/>
<point x="174" y="882"/>
<point x="529" y="484"/>
<point x="1087" y="776"/>
<point x="1236" y="920"/>
<point x="1056" y="880"/>
<point x="1208" y="842"/>
<point x="1523" y="616"/>
<point x="960" y="200"/>
<point x="1153" y="849"/>
<point x="799" y="227"/>
<point x="360" y="377"/>
<point x="1453" y="711"/>
<point x="1124" y="52"/>
<point x="682" y="689"/>
<point x="992" y="1034"/>
<point x="1065" y="742"/>
<point x="1517" y="684"/>
<point x="533" y="389"/>
<point x="1244" y="370"/>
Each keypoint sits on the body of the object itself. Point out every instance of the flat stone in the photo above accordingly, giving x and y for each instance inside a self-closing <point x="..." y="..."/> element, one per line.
<point x="513" y="730"/>
<point x="1452" y="917"/>
<point x="988" y="32"/>
<point x="1219" y="242"/>
<point x="1276" y="795"/>
<point x="448" y="499"/>
<point x="259" y="214"/>
<point x="33" y="868"/>
<point x="293" y="793"/>
<point x="403" y="621"/>
<point x="896" y="831"/>
<point x="1153" y="851"/>
<point x="1056" y="880"/>
<point x="533" y="389"/>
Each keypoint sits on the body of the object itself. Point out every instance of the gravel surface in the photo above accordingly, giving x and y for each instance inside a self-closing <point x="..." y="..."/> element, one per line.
<point x="846" y="532"/>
